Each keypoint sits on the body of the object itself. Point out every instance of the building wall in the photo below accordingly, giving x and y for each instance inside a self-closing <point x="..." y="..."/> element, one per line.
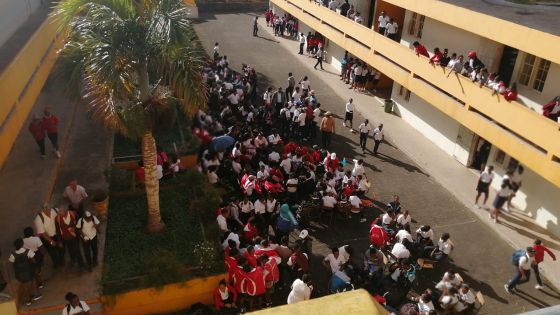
<point x="13" y="13"/>
<point x="538" y="199"/>
<point x="429" y="121"/>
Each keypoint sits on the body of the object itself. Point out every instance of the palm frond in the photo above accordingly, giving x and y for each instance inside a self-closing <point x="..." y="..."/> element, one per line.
<point x="65" y="11"/>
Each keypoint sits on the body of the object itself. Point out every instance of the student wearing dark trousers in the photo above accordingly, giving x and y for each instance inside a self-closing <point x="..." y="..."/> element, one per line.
<point x="540" y="250"/>
<point x="319" y="59"/>
<point x="255" y="27"/>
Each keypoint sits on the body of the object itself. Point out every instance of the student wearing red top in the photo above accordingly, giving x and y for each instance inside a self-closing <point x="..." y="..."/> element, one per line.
<point x="271" y="275"/>
<point x="254" y="286"/>
<point x="250" y="256"/>
<point x="225" y="298"/>
<point x="38" y="132"/>
<point x="540" y="249"/>
<point x="436" y="58"/>
<point x="250" y="231"/>
<point x="230" y="261"/>
<point x="511" y="93"/>
<point x="50" y="123"/>
<point x="378" y="237"/>
<point x="419" y="49"/>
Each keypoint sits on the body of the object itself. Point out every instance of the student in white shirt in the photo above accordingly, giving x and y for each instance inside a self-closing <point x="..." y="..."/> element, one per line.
<point x="378" y="136"/>
<point x="286" y="164"/>
<point x="349" y="113"/>
<point x="305" y="86"/>
<point x="246" y="207"/>
<point x="333" y="261"/>
<point x="523" y="270"/>
<point x="357" y="207"/>
<point x="75" y="306"/>
<point x="45" y="227"/>
<point x="364" y="130"/>
<point x="329" y="201"/>
<point x="392" y="29"/>
<point x="88" y="230"/>
<point x="383" y="19"/>
<point x="443" y="248"/>
<point x="274" y="157"/>
<point x="222" y="220"/>
<point x="358" y="168"/>
<point x="483" y="185"/>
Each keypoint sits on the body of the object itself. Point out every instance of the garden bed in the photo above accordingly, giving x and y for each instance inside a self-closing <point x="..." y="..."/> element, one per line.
<point x="134" y="259"/>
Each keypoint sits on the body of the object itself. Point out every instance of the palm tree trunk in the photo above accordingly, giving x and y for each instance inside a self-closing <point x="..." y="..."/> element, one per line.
<point x="149" y="156"/>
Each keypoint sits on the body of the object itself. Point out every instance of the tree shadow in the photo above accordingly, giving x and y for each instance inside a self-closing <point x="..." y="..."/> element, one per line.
<point x="408" y="167"/>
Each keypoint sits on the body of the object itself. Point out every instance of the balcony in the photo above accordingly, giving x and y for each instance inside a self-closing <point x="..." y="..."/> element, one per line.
<point x="514" y="128"/>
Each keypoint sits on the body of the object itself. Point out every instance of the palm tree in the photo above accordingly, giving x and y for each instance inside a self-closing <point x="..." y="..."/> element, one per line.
<point x="131" y="60"/>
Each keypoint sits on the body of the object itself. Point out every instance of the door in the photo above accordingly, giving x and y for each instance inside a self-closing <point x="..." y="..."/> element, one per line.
<point x="507" y="63"/>
<point x="463" y="145"/>
<point x="371" y="18"/>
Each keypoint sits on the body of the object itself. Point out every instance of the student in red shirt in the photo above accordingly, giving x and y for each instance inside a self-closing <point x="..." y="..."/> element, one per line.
<point x="50" y="123"/>
<point x="250" y="256"/>
<point x="419" y="49"/>
<point x="436" y="58"/>
<point x="510" y="94"/>
<point x="38" y="132"/>
<point x="225" y="298"/>
<point x="254" y="286"/>
<point x="230" y="261"/>
<point x="540" y="249"/>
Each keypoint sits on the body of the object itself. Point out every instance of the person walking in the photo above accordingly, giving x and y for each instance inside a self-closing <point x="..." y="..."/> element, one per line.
<point x="38" y="132"/>
<point x="523" y="261"/>
<point x="24" y="270"/>
<point x="75" y="195"/>
<point x="302" y="41"/>
<point x="50" y="123"/>
<point x="291" y="85"/>
<point x="364" y="129"/>
<point x="540" y="249"/>
<point x="66" y="222"/>
<point x="378" y="136"/>
<point x="255" y="27"/>
<point x="349" y="116"/>
<point x="483" y="185"/>
<point x="327" y="129"/>
<point x="319" y="56"/>
<point x="88" y="231"/>
<point x="45" y="227"/>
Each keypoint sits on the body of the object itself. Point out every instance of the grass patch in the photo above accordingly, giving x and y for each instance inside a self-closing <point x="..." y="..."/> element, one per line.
<point x="135" y="259"/>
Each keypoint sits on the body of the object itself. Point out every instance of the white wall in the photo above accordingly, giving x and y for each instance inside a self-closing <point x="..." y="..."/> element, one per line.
<point x="538" y="199"/>
<point x="441" y="35"/>
<point x="428" y="120"/>
<point x="13" y="13"/>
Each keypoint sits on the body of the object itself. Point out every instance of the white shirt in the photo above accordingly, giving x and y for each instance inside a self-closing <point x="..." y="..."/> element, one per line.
<point x="343" y="254"/>
<point x="159" y="172"/>
<point x="429" y="234"/>
<point x="301" y="118"/>
<point x="246" y="207"/>
<point x="30" y="254"/>
<point x="233" y="98"/>
<point x="403" y="234"/>
<point x="386" y="219"/>
<point x="402" y="220"/>
<point x="316" y="115"/>
<point x="83" y="307"/>
<point x="383" y="20"/>
<point x="222" y="222"/>
<point x="363" y="128"/>
<point x="358" y="19"/>
<point x="300" y="292"/>
<point x="392" y="28"/>
<point x="378" y="134"/>
<point x="270" y="205"/>
<point x="329" y="201"/>
<point x="32" y="243"/>
<point x="274" y="156"/>
<point x="286" y="164"/>
<point x="75" y="196"/>
<point x="355" y="201"/>
<point x="400" y="251"/>
<point x="292" y="181"/>
<point x="296" y="96"/>
<point x="350" y="107"/>
<point x="525" y="262"/>
<point x="88" y="228"/>
<point x="445" y="247"/>
<point x="425" y="307"/>
<point x="335" y="263"/>
<point x="45" y="223"/>
<point x="358" y="169"/>
<point x="260" y="207"/>
<point x="274" y="139"/>
<point x="305" y="85"/>
<point x="486" y="177"/>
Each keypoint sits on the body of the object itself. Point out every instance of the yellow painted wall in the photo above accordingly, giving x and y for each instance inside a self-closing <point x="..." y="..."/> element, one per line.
<point x="170" y="298"/>
<point x="8" y="308"/>
<point x="22" y="81"/>
<point x="403" y="66"/>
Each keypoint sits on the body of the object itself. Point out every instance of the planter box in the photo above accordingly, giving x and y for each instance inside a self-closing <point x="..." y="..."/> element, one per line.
<point x="169" y="298"/>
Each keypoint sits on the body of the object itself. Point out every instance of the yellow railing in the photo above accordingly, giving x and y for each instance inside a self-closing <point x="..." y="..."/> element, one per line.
<point x="521" y="133"/>
<point x="541" y="44"/>
<point x="21" y="82"/>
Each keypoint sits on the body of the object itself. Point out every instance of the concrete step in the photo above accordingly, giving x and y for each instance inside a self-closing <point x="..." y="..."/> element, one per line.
<point x="96" y="308"/>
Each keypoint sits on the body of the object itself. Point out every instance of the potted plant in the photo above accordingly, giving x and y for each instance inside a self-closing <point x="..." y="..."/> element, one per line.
<point x="100" y="203"/>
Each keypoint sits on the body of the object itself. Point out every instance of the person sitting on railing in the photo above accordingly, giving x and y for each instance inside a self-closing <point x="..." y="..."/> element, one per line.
<point x="510" y="94"/>
<point x="551" y="109"/>
<point x="419" y="49"/>
<point x="498" y="86"/>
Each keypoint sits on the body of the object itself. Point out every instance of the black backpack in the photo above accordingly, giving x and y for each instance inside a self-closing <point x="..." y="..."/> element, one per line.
<point x="23" y="267"/>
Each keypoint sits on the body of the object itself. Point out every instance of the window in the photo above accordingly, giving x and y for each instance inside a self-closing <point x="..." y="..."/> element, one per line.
<point x="534" y="72"/>
<point x="416" y="25"/>
<point x="405" y="93"/>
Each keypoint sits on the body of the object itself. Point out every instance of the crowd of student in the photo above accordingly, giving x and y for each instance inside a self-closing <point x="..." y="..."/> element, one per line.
<point x="472" y="68"/>
<point x="280" y="184"/>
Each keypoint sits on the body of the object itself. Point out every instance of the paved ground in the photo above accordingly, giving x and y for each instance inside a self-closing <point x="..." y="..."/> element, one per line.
<point x="26" y="182"/>
<point x="481" y="255"/>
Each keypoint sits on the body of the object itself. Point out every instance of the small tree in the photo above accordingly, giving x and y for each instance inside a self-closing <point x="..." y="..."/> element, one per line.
<point x="131" y="60"/>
